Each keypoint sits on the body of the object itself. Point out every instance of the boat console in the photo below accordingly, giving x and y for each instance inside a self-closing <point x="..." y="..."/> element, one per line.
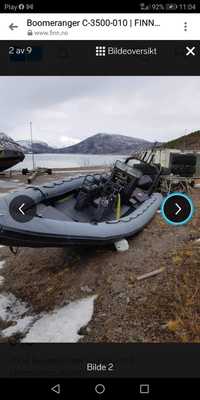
<point x="102" y="191"/>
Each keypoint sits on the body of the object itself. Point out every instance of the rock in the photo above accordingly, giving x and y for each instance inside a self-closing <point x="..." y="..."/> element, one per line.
<point x="121" y="295"/>
<point x="86" y="289"/>
<point x="121" y="245"/>
<point x="84" y="330"/>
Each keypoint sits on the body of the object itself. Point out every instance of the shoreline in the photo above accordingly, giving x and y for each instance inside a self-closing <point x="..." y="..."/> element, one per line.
<point x="13" y="179"/>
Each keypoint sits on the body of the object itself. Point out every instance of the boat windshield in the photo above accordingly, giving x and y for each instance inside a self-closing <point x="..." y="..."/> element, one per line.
<point x="132" y="162"/>
<point x="127" y="168"/>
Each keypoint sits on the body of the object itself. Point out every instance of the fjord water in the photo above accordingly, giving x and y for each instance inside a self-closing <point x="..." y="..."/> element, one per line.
<point x="68" y="160"/>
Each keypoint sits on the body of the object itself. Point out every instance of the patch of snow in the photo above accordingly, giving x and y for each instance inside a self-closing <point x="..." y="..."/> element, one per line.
<point x="22" y="326"/>
<point x="11" y="308"/>
<point x="62" y="325"/>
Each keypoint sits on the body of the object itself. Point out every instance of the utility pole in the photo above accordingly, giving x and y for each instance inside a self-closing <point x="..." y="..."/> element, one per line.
<point x="31" y="132"/>
<point x="185" y="139"/>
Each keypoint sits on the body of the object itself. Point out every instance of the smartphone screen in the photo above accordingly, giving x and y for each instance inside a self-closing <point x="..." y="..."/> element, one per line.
<point x="99" y="199"/>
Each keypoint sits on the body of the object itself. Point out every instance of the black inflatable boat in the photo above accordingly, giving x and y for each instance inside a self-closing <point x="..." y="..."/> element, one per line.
<point x="92" y="209"/>
<point x="10" y="152"/>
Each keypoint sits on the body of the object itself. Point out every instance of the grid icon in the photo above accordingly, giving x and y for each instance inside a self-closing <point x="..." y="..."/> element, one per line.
<point x="100" y="51"/>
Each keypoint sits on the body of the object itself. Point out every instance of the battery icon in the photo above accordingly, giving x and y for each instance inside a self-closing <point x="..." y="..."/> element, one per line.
<point x="171" y="7"/>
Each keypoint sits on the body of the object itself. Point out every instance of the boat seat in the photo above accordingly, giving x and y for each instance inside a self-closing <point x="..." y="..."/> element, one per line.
<point x="96" y="202"/>
<point x="145" y="182"/>
<point x="139" y="195"/>
<point x="90" y="189"/>
<point x="86" y="197"/>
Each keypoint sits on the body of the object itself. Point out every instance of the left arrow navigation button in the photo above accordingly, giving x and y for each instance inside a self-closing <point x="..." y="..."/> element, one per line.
<point x="13" y="26"/>
<point x="22" y="208"/>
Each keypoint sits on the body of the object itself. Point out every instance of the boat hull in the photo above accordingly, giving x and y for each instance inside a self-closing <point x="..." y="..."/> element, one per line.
<point x="46" y="232"/>
<point x="10" y="158"/>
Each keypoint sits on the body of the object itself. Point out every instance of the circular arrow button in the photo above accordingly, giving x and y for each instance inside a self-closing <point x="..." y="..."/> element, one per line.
<point x="177" y="209"/>
<point x="22" y="208"/>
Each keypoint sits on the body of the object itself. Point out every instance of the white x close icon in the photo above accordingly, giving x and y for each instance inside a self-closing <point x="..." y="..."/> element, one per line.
<point x="190" y="51"/>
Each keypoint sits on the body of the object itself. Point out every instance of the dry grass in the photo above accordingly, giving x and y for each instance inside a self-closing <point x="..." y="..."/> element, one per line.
<point x="185" y="323"/>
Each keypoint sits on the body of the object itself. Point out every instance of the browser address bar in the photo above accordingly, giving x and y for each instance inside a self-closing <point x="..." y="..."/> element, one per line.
<point x="99" y="26"/>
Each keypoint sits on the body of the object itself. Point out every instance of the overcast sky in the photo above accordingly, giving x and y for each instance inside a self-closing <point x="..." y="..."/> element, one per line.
<point x="65" y="110"/>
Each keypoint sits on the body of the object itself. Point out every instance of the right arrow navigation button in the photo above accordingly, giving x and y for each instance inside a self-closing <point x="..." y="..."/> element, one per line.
<point x="177" y="208"/>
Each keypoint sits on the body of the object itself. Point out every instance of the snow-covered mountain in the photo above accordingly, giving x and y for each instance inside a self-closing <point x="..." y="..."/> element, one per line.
<point x="38" y="147"/>
<point x="27" y="143"/>
<point x="11" y="152"/>
<point x="104" y="143"/>
<point x="8" y="143"/>
<point x="101" y="143"/>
